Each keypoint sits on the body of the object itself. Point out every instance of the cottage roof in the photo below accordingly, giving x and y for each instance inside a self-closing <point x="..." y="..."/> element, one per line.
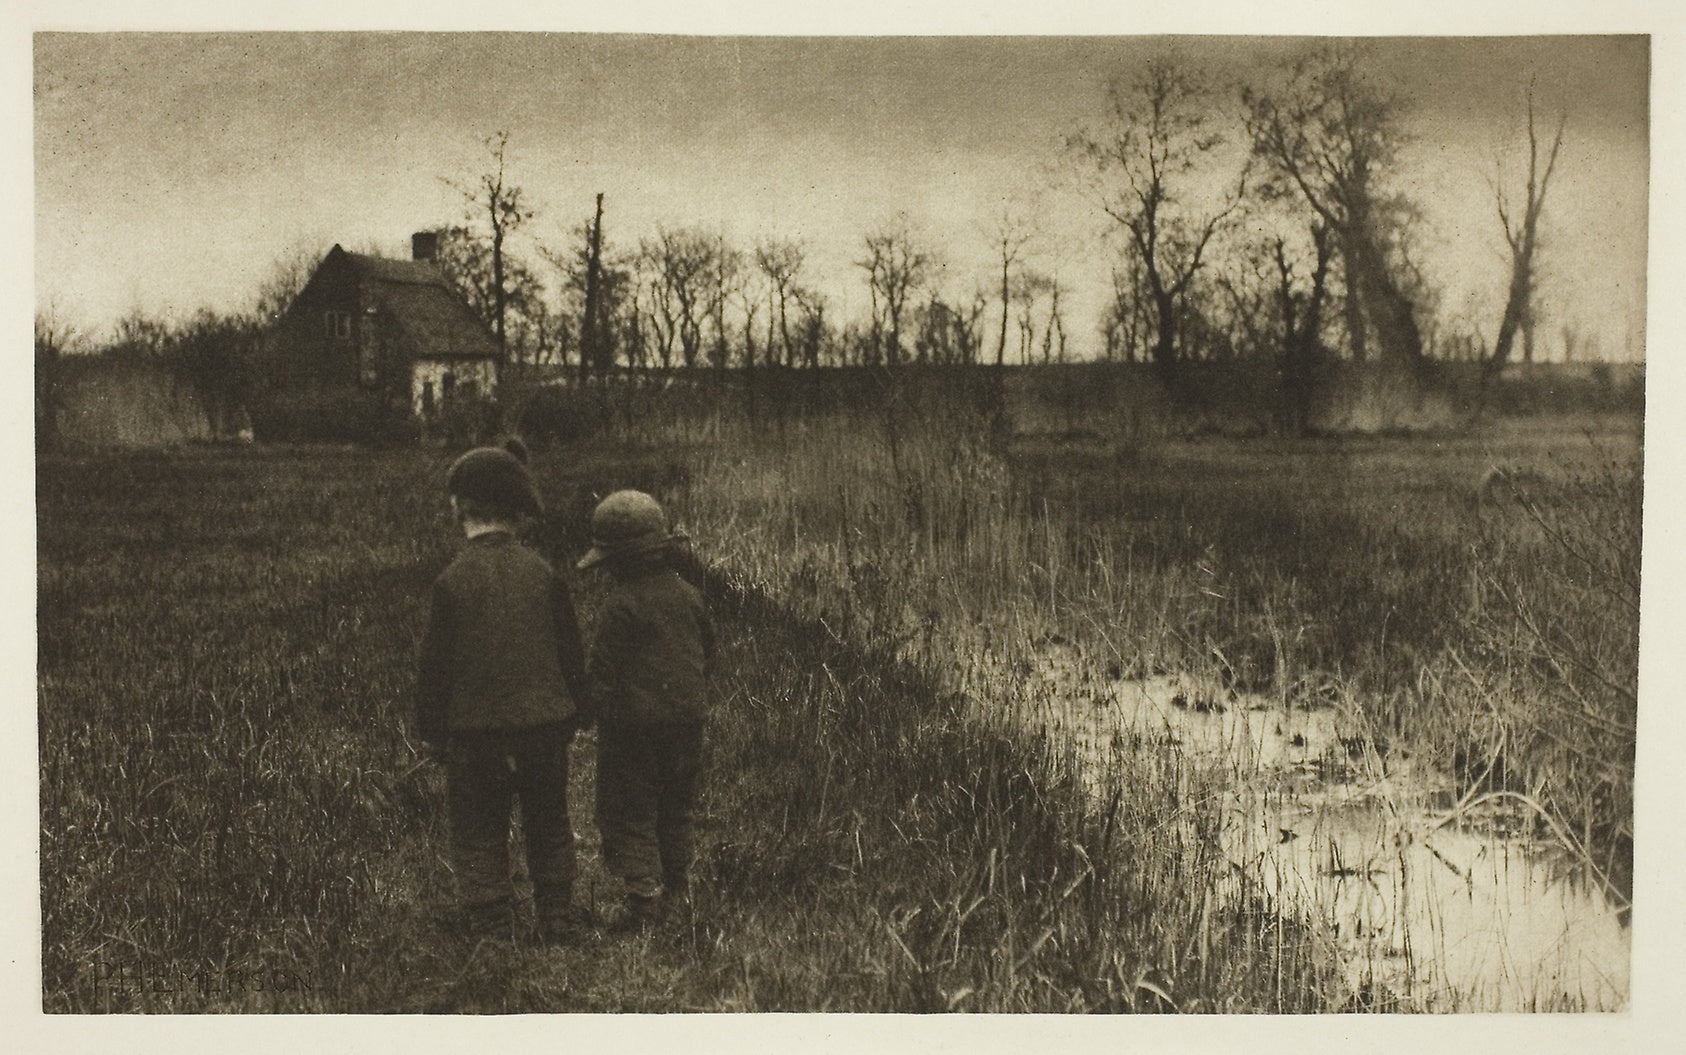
<point x="384" y="269"/>
<point x="435" y="321"/>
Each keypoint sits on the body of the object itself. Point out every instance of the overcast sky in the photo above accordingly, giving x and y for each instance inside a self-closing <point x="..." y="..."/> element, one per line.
<point x="173" y="171"/>
<point x="170" y="181"/>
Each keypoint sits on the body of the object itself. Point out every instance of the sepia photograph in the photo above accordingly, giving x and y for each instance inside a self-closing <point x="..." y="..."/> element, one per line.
<point x="992" y="521"/>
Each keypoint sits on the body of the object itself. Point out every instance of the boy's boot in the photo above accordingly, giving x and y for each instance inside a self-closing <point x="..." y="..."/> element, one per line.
<point x="642" y="907"/>
<point x="676" y="892"/>
<point x="560" y="921"/>
<point x="486" y="920"/>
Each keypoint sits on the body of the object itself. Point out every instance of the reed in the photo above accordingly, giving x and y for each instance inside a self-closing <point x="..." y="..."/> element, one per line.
<point x="1284" y="568"/>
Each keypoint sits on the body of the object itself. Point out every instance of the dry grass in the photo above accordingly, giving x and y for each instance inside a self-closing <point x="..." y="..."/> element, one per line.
<point x="233" y="817"/>
<point x="228" y="791"/>
<point x="1487" y="629"/>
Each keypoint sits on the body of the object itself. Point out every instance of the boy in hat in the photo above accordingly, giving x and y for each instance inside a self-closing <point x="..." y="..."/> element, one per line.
<point x="647" y="689"/>
<point x="501" y="666"/>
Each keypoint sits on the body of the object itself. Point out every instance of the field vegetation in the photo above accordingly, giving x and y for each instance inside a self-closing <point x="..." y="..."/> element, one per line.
<point x="1470" y="595"/>
<point x="235" y="816"/>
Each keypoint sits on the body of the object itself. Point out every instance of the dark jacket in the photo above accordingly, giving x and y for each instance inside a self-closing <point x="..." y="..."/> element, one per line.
<point x="502" y="648"/>
<point x="652" y="651"/>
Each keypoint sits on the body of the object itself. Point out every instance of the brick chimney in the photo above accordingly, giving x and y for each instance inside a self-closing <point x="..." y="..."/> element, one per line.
<point x="424" y="245"/>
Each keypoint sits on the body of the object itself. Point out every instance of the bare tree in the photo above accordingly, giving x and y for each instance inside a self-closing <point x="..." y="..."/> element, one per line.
<point x="1302" y="325"/>
<point x="661" y="316"/>
<point x="780" y="260"/>
<point x="896" y="271"/>
<point x="1053" y="334"/>
<point x="634" y="331"/>
<point x="491" y="282"/>
<point x="1571" y="341"/>
<point x="749" y="296"/>
<point x="1012" y="234"/>
<point x="1126" y="322"/>
<point x="724" y="275"/>
<point x="139" y="336"/>
<point x="685" y="265"/>
<point x="1329" y="136"/>
<point x="1161" y="133"/>
<point x="1522" y="235"/>
<point x="1030" y="290"/>
<point x="214" y="354"/>
<point x="1247" y="311"/>
<point x="54" y="336"/>
<point x="286" y="279"/>
<point x="596" y="353"/>
<point x="492" y="197"/>
<point x="948" y="334"/>
<point x="967" y="327"/>
<point x="814" y="335"/>
<point x="598" y="286"/>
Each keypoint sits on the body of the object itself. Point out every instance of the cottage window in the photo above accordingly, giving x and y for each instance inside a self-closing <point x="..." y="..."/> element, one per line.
<point x="337" y="325"/>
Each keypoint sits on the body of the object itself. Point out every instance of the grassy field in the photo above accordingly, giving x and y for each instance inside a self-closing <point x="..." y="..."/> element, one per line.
<point x="234" y="817"/>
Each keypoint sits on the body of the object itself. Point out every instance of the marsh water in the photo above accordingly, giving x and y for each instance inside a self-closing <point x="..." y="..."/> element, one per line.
<point x="1441" y="909"/>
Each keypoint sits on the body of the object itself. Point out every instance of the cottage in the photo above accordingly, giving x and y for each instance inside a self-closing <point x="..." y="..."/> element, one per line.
<point x="390" y="328"/>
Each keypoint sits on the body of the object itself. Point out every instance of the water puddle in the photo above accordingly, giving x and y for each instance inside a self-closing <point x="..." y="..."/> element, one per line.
<point x="1443" y="916"/>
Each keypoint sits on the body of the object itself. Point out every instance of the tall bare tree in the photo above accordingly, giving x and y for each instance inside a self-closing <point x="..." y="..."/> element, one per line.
<point x="1329" y="135"/>
<point x="725" y="277"/>
<point x="1161" y="135"/>
<point x="1053" y="334"/>
<point x="683" y="259"/>
<point x="595" y="351"/>
<point x="1521" y="228"/>
<point x="1301" y="311"/>
<point x="896" y="271"/>
<point x="814" y="336"/>
<point x="780" y="260"/>
<point x="491" y="197"/>
<point x="751" y="296"/>
<point x="492" y="282"/>
<point x="598" y="292"/>
<point x="660" y="306"/>
<point x="1012" y="235"/>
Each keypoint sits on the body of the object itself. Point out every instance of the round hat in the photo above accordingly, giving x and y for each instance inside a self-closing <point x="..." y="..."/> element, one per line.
<point x="627" y="523"/>
<point x="495" y="477"/>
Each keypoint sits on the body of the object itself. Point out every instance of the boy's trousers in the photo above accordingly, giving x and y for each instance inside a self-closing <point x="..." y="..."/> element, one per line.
<point x="647" y="779"/>
<point x="486" y="771"/>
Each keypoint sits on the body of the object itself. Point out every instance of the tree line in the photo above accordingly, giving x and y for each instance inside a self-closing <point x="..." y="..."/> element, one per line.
<point x="684" y="297"/>
<point x="1265" y="222"/>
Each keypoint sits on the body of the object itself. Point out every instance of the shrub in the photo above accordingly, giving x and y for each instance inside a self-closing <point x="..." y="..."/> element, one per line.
<point x="332" y="416"/>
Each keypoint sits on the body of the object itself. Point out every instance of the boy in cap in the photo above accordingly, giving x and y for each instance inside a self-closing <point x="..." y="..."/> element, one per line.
<point x="647" y="690"/>
<point x="501" y="666"/>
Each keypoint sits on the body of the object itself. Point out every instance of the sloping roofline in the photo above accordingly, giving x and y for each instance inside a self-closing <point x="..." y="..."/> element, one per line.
<point x="434" y="318"/>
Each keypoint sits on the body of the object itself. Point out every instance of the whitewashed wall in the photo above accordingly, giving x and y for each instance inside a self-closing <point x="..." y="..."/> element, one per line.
<point x="482" y="373"/>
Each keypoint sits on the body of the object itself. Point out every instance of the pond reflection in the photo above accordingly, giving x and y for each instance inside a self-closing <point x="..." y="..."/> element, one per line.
<point x="1425" y="913"/>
